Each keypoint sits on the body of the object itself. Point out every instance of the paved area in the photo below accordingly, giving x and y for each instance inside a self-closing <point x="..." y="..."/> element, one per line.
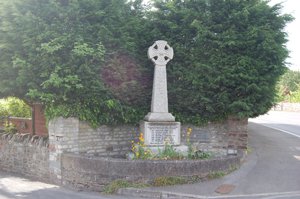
<point x="286" y="122"/>
<point x="13" y="186"/>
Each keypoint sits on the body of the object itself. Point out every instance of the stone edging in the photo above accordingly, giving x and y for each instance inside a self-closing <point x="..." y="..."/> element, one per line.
<point x="93" y="173"/>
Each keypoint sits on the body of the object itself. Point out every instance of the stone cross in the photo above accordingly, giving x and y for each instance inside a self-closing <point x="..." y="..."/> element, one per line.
<point x="160" y="53"/>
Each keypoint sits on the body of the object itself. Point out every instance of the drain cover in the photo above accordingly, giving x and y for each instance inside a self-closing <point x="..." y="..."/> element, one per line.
<point x="225" y="189"/>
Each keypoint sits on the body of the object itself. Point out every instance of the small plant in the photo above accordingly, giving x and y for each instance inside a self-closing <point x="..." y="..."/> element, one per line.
<point x="193" y="153"/>
<point x="10" y="128"/>
<point x="216" y="174"/>
<point x="118" y="184"/>
<point x="168" y="180"/>
<point x="169" y="153"/>
<point x="139" y="150"/>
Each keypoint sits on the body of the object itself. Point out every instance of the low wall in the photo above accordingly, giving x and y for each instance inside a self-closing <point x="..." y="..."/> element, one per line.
<point x="285" y="106"/>
<point x="88" y="158"/>
<point x="93" y="173"/>
<point x="25" y="154"/>
<point x="23" y="125"/>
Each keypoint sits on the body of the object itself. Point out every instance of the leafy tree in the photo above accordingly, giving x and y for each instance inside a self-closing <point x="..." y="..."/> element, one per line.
<point x="229" y="55"/>
<point x="14" y="107"/>
<point x="87" y="58"/>
<point x="54" y="51"/>
<point x="288" y="88"/>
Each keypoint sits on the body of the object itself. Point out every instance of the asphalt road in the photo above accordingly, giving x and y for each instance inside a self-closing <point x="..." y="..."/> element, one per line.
<point x="286" y="122"/>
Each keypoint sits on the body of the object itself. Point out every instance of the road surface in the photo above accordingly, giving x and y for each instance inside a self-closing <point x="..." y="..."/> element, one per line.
<point x="286" y="122"/>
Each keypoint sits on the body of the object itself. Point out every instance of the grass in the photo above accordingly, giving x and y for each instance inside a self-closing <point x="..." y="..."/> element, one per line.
<point x="113" y="187"/>
<point x="168" y="181"/>
<point x="216" y="174"/>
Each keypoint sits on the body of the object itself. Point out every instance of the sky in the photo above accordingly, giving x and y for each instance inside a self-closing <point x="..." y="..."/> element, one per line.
<point x="293" y="29"/>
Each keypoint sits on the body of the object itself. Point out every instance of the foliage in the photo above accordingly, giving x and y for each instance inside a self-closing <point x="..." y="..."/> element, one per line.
<point x="295" y="98"/>
<point x="168" y="181"/>
<point x="139" y="150"/>
<point x="87" y="58"/>
<point x="55" y="52"/>
<point x="229" y="55"/>
<point x="288" y="88"/>
<point x="216" y="174"/>
<point x="10" y="128"/>
<point x="14" y="107"/>
<point x="168" y="152"/>
<point x="118" y="184"/>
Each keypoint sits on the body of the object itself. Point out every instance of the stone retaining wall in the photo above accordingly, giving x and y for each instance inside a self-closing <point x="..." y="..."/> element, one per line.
<point x="285" y="106"/>
<point x="93" y="173"/>
<point x="25" y="154"/>
<point x="102" y="148"/>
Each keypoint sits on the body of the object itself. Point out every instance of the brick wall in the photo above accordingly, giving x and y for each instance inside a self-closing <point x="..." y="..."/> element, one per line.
<point x="23" y="125"/>
<point x="40" y="126"/>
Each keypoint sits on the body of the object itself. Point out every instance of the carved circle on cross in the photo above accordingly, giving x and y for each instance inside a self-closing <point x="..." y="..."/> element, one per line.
<point x="160" y="52"/>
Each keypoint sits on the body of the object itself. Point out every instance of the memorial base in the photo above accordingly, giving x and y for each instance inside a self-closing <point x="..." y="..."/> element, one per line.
<point x="182" y="149"/>
<point x="160" y="133"/>
<point x="159" y="117"/>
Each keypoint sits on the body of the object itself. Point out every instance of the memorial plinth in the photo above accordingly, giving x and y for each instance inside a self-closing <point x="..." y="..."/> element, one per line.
<point x="159" y="126"/>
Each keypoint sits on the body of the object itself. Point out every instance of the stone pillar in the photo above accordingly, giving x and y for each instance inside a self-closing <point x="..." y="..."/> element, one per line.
<point x="159" y="125"/>
<point x="237" y="134"/>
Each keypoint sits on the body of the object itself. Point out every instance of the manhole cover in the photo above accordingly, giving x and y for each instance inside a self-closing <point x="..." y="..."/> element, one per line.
<point x="225" y="189"/>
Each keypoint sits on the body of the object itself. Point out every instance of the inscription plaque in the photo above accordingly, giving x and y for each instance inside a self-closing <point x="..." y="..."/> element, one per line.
<point x="161" y="133"/>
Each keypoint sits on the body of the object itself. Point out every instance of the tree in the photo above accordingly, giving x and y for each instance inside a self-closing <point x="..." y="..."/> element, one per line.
<point x="87" y="58"/>
<point x="288" y="88"/>
<point x="229" y="55"/>
<point x="54" y="51"/>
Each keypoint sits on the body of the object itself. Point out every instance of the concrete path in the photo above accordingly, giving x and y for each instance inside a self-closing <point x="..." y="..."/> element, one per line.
<point x="272" y="170"/>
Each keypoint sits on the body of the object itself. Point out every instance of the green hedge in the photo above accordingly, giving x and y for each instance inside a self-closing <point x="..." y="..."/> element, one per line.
<point x="87" y="58"/>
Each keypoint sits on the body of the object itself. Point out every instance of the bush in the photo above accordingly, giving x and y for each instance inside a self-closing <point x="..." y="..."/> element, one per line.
<point x="14" y="107"/>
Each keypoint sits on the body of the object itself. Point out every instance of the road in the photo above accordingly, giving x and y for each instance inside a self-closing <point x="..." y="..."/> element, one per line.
<point x="287" y="122"/>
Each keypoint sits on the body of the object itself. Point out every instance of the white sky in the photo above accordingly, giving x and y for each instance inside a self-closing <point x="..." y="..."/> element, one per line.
<point x="293" y="29"/>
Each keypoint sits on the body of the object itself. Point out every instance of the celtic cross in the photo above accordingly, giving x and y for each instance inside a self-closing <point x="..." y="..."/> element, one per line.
<point x="160" y="53"/>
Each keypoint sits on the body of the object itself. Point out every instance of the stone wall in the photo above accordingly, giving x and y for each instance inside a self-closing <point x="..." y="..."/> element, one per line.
<point x="92" y="173"/>
<point x="72" y="135"/>
<point x="285" y="106"/>
<point x="222" y="138"/>
<point x="25" y="154"/>
<point x="75" y="151"/>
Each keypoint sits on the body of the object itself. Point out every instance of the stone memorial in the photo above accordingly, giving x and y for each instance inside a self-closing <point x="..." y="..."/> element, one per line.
<point x="159" y="126"/>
